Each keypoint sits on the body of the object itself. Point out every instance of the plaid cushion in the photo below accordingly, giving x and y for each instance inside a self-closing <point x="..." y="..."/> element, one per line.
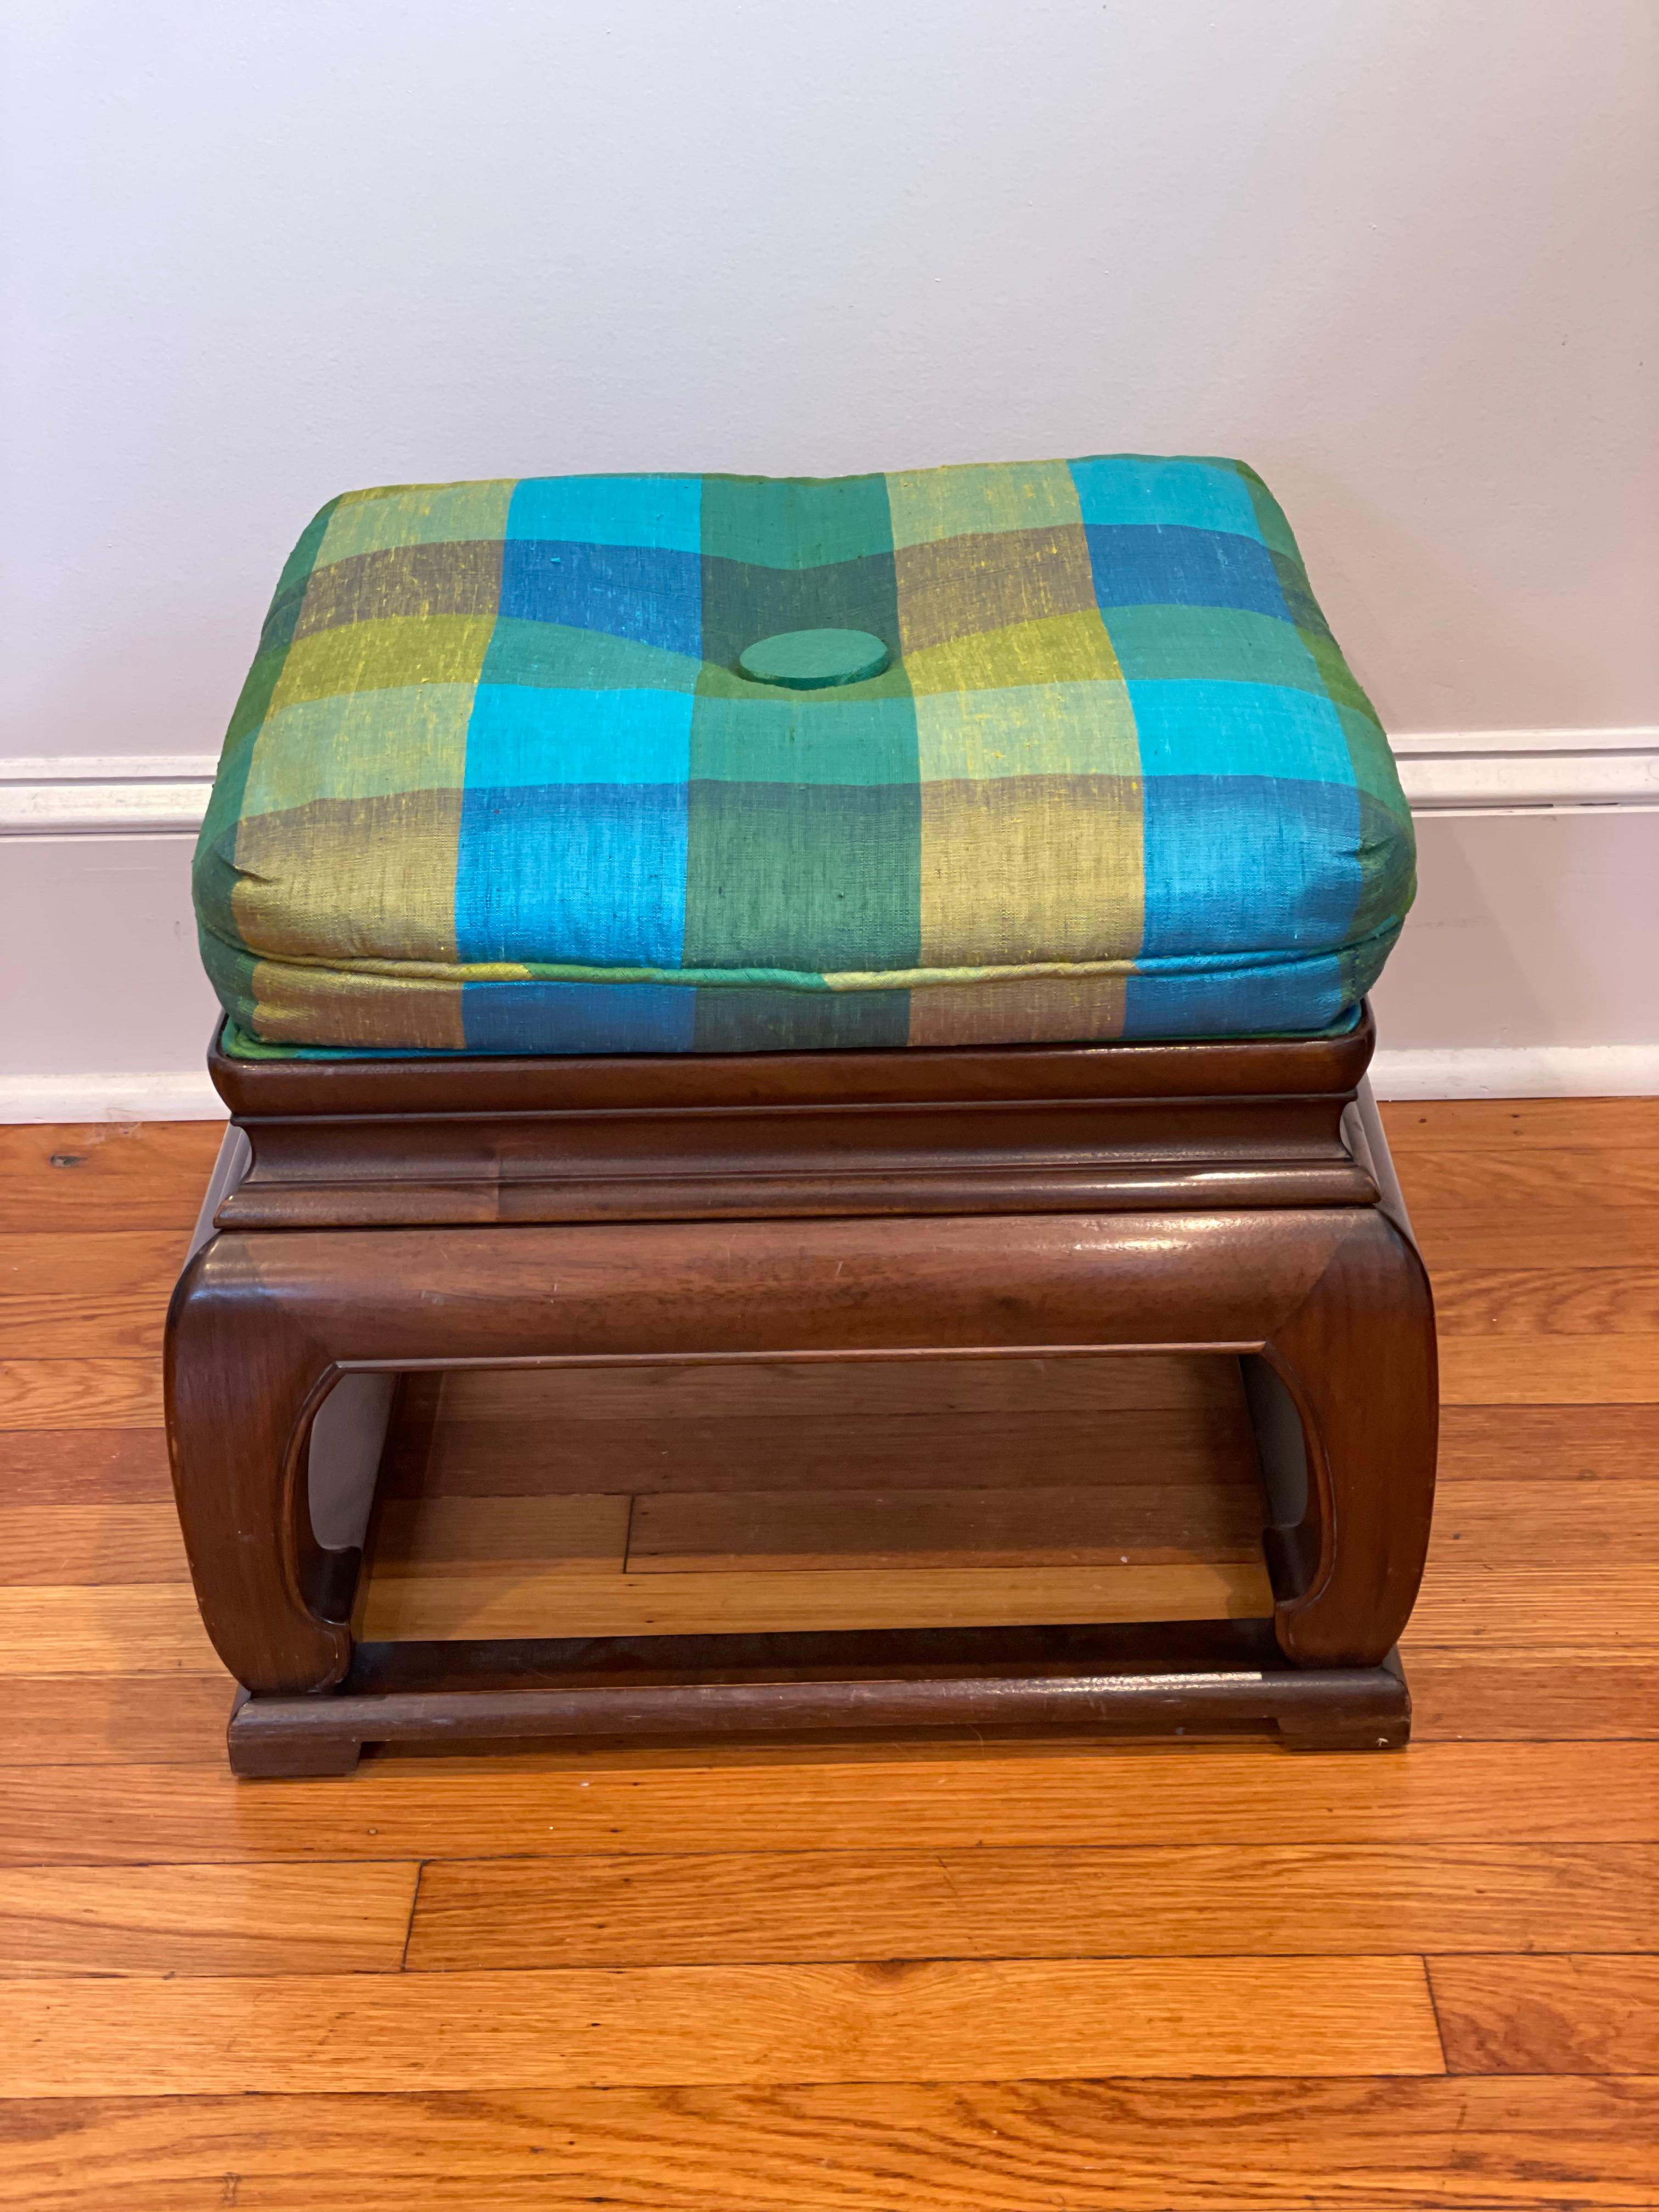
<point x="495" y="783"/>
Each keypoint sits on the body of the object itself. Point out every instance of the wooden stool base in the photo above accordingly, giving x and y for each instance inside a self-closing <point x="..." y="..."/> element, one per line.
<point x="383" y="1230"/>
<point x="1167" y="1679"/>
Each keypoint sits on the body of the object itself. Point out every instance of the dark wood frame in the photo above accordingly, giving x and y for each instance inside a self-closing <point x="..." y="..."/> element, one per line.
<point x="400" y="1215"/>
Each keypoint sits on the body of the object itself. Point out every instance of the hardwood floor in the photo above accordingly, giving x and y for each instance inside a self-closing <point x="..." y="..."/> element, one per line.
<point x="918" y="1977"/>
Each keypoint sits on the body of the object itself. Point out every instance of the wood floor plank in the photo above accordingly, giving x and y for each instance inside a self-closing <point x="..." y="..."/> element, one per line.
<point x="88" y="1294"/>
<point x="1422" y="2144"/>
<point x="114" y="1629"/>
<point x="1461" y="1693"/>
<point x="116" y="1720"/>
<point x="747" y="1545"/>
<point x="84" y="1467"/>
<point x="1549" y="1370"/>
<point x="1527" y="1302"/>
<point x="530" y="1602"/>
<point x="60" y="1921"/>
<point x="1578" y="1609"/>
<point x="994" y="1797"/>
<point x="803" y="1531"/>
<point x="90" y="1544"/>
<point x="1530" y="1219"/>
<point x="536" y="1455"/>
<point x="1562" y="1179"/>
<point x="1541" y="1566"/>
<point x="100" y="1175"/>
<point x="1613" y="1234"/>
<point x="80" y="1394"/>
<point x="831" y="1424"/>
<point x="1589" y="1444"/>
<point x="1541" y="2015"/>
<point x="577" y="1533"/>
<point x="948" y="2020"/>
<point x="1489" y="1125"/>
<point x="1195" y="1901"/>
<point x="1565" y="1520"/>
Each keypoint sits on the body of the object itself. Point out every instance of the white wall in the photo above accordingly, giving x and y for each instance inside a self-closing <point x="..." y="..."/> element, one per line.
<point x="1400" y="253"/>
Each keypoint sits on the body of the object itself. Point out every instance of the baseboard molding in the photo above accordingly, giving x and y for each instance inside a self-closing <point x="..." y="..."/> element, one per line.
<point x="1526" y="1072"/>
<point x="1443" y="771"/>
<point x="170" y="1095"/>
<point x="105" y="795"/>
<point x="1528" y="771"/>
<point x="1536" y="1071"/>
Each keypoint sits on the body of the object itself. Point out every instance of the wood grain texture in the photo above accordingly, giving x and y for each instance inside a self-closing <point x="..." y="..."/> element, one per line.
<point x="786" y="1531"/>
<point x="1533" y="2015"/>
<point x="1584" y="1443"/>
<point x="1532" y="1207"/>
<point x="1523" y="1567"/>
<point x="1467" y="1693"/>
<point x="843" y="1389"/>
<point x="576" y="1534"/>
<point x="88" y="1294"/>
<point x="1203" y="1901"/>
<point x="1309" y="1075"/>
<point x="1562" y="1181"/>
<point x="1122" y="1524"/>
<point x="576" y="1601"/>
<point x="1549" y="1370"/>
<point x="116" y="1720"/>
<point x="538" y="1455"/>
<point x="100" y="1175"/>
<point x="1620" y="1237"/>
<point x="946" y="2019"/>
<point x="1343" y="1299"/>
<point x="1001" y="1797"/>
<point x="1485" y="1126"/>
<point x="1405" y="2144"/>
<point x="1474" y="1596"/>
<point x="59" y="1921"/>
<point x="113" y="1629"/>
<point x="84" y="1467"/>
<point x="938" y="1159"/>
<point x="80" y="1394"/>
<point x="90" y="1544"/>
<point x="1532" y="1302"/>
<point x="1480" y="1526"/>
<point x="850" y="1424"/>
<point x="1576" y="1608"/>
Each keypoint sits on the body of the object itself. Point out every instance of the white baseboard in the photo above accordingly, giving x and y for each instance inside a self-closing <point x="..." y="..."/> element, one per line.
<point x="105" y="795"/>
<point x="1514" y="771"/>
<point x="1537" y="1071"/>
<point x="169" y="1095"/>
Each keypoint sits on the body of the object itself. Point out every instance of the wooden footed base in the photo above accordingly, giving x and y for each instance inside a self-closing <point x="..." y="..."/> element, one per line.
<point x="1197" y="1678"/>
<point x="597" y="1277"/>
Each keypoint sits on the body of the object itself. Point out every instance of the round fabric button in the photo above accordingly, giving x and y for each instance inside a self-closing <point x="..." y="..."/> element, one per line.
<point x="814" y="659"/>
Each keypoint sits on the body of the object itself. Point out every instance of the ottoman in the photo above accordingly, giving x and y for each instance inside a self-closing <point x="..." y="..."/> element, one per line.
<point x="671" y="919"/>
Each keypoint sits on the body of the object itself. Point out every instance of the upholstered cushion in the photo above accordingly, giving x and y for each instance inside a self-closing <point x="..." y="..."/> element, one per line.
<point x="497" y="782"/>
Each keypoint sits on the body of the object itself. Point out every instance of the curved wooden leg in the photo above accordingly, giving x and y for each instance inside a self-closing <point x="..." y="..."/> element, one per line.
<point x="241" y="1369"/>
<point x="1357" y="1357"/>
<point x="1335" y="1297"/>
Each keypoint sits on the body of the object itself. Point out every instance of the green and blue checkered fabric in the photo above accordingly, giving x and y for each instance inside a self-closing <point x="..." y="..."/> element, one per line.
<point x="497" y="784"/>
